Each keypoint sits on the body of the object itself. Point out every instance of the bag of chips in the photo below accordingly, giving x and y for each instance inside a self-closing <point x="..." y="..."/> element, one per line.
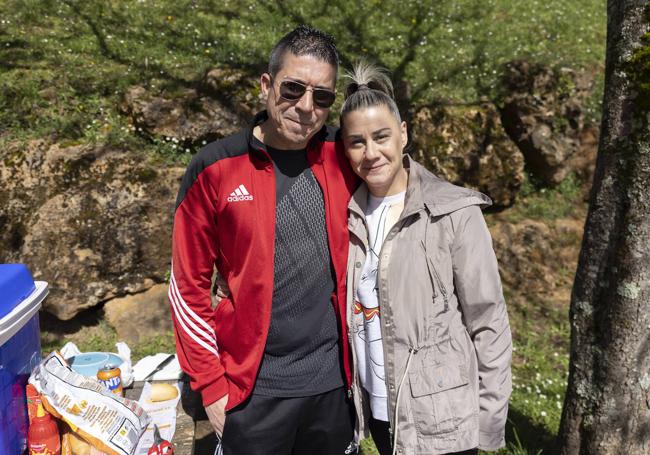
<point x="106" y="421"/>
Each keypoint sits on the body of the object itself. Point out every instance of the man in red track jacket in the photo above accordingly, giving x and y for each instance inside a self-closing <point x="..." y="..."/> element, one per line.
<point x="268" y="208"/>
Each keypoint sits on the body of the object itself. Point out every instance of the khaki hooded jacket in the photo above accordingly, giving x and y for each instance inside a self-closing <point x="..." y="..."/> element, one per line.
<point x="446" y="337"/>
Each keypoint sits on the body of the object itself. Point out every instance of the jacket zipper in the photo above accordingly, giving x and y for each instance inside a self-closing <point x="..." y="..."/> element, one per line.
<point x="328" y="208"/>
<point x="389" y="396"/>
<point x="355" y="387"/>
<point x="395" y="227"/>
<point x="435" y="278"/>
<point x="443" y="291"/>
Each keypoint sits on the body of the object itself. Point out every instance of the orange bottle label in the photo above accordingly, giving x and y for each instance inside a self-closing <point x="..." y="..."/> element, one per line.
<point x="43" y="449"/>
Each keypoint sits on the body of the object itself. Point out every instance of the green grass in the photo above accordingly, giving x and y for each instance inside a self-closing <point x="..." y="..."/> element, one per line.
<point x="98" y="335"/>
<point x="64" y="65"/>
<point x="157" y="343"/>
<point x="540" y="372"/>
<point x="537" y="202"/>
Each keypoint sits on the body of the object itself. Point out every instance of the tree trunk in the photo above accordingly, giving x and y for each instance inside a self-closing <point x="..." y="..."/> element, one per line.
<point x="607" y="406"/>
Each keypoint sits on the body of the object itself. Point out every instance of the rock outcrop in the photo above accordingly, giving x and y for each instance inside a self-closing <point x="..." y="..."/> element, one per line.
<point x="218" y="105"/>
<point x="187" y="117"/>
<point x="235" y="89"/>
<point x="469" y="147"/>
<point x="138" y="317"/>
<point x="537" y="260"/>
<point x="92" y="221"/>
<point x="543" y="112"/>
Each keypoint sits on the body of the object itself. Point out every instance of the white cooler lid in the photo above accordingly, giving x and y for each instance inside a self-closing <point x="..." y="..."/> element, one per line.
<point x="18" y="317"/>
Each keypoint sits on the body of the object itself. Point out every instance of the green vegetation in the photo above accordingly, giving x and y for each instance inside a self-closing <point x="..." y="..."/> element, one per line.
<point x="64" y="65"/>
<point x="98" y="335"/>
<point x="535" y="201"/>
<point x="157" y="343"/>
<point x="540" y="373"/>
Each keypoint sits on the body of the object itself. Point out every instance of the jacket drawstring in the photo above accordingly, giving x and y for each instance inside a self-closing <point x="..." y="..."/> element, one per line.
<point x="399" y="393"/>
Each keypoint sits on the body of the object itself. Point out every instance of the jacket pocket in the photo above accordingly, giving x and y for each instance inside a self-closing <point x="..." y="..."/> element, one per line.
<point x="435" y="390"/>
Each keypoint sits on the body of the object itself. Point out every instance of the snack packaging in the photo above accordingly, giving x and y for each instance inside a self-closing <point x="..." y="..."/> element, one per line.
<point x="106" y="421"/>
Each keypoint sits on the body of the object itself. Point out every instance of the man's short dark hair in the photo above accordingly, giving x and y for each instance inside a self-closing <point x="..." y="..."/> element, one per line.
<point x="304" y="40"/>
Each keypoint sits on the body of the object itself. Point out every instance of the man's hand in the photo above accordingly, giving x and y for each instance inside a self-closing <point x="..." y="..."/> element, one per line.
<point x="217" y="414"/>
<point x="220" y="289"/>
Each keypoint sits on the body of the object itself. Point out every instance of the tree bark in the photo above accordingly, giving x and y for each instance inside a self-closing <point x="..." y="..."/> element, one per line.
<point x="607" y="406"/>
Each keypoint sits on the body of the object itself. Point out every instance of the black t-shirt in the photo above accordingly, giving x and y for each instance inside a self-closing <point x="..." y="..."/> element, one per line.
<point x="301" y="356"/>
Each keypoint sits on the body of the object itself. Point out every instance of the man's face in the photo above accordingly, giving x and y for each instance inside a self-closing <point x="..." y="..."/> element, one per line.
<point x="293" y="122"/>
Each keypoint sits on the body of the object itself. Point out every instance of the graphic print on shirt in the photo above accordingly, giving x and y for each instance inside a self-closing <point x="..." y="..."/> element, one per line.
<point x="371" y="317"/>
<point x="367" y="302"/>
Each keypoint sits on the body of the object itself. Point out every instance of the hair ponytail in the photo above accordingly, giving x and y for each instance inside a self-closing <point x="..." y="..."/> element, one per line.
<point x="369" y="86"/>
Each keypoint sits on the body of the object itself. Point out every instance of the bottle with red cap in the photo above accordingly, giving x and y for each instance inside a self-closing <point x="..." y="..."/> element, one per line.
<point x="43" y="436"/>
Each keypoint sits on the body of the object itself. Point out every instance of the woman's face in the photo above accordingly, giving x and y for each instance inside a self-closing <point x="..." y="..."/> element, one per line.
<point x="374" y="140"/>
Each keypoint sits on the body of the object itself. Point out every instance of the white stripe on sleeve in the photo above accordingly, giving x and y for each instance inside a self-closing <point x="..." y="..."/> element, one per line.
<point x="182" y="318"/>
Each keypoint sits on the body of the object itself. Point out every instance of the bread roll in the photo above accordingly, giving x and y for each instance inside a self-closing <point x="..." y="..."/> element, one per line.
<point x="162" y="392"/>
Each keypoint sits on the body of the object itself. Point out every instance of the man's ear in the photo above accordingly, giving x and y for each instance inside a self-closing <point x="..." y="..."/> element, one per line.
<point x="265" y="84"/>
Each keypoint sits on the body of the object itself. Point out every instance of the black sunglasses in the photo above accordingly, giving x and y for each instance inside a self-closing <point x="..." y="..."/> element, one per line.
<point x="292" y="91"/>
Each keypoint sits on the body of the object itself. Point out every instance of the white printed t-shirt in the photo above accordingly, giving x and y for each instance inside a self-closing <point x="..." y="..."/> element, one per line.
<point x="381" y="214"/>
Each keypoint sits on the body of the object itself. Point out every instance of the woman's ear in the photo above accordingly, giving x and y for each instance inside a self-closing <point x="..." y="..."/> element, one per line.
<point x="404" y="134"/>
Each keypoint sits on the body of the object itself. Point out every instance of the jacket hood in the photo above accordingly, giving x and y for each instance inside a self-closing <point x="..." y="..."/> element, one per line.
<point x="426" y="190"/>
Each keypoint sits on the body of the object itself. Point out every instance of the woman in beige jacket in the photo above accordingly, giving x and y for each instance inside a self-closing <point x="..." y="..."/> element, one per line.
<point x="426" y="315"/>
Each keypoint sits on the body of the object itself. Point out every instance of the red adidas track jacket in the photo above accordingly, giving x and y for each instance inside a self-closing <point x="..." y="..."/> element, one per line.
<point x="225" y="216"/>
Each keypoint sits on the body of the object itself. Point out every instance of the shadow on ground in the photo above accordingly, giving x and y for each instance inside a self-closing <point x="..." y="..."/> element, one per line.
<point x="533" y="437"/>
<point x="88" y="317"/>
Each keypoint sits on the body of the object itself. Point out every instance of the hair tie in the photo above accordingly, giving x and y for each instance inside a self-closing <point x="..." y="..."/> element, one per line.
<point x="363" y="87"/>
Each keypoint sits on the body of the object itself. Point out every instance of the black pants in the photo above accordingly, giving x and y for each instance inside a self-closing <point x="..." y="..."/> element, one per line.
<point x="381" y="436"/>
<point x="320" y="424"/>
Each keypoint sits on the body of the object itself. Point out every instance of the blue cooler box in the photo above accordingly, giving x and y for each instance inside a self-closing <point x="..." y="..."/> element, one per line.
<point x="20" y="351"/>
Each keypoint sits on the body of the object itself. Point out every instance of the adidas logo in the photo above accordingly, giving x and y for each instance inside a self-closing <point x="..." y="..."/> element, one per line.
<point x="240" y="194"/>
